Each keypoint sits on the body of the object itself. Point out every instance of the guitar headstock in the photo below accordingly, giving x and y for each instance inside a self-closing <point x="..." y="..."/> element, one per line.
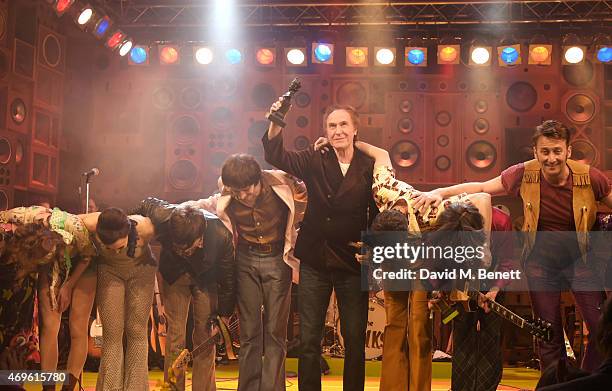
<point x="182" y="360"/>
<point x="541" y="329"/>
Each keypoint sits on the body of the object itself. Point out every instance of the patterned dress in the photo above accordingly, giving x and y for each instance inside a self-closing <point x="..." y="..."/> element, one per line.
<point x="72" y="230"/>
<point x="388" y="191"/>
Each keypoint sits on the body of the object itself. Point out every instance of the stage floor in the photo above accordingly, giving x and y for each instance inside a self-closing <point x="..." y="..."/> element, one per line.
<point x="227" y="377"/>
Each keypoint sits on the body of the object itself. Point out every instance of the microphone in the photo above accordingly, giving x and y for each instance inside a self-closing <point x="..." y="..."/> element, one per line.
<point x="93" y="172"/>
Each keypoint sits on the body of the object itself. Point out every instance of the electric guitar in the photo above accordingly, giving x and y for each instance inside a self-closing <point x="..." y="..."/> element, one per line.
<point x="94" y="341"/>
<point x="539" y="328"/>
<point x="221" y="335"/>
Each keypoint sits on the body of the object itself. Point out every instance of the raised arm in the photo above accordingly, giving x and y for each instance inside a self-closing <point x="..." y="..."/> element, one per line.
<point x="295" y="163"/>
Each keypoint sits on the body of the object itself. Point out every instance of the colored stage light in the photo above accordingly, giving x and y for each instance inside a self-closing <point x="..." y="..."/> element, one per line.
<point x="448" y="54"/>
<point x="139" y="55"/>
<point x="296" y="56"/>
<point x="266" y="56"/>
<point x="356" y="56"/>
<point x="203" y="55"/>
<point x="233" y="56"/>
<point x="85" y="16"/>
<point x="573" y="55"/>
<point x="416" y="56"/>
<point x="604" y="54"/>
<point x="540" y="54"/>
<point x="509" y="55"/>
<point x="125" y="47"/>
<point x="322" y="53"/>
<point x="115" y="39"/>
<point x="62" y="6"/>
<point x="168" y="55"/>
<point x="385" y="56"/>
<point x="102" y="26"/>
<point x="480" y="55"/>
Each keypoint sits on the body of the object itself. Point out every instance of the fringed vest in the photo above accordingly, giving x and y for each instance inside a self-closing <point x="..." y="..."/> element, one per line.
<point x="583" y="203"/>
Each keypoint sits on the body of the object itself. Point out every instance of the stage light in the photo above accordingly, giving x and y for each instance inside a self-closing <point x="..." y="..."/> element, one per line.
<point x="168" y="55"/>
<point x="540" y="54"/>
<point x="265" y="56"/>
<point x="509" y="55"/>
<point x="573" y="50"/>
<point x="356" y="56"/>
<point x="540" y="51"/>
<point x="448" y="54"/>
<point x="85" y="16"/>
<point x="203" y="55"/>
<point x="233" y="56"/>
<point x="125" y="47"/>
<point x="573" y="55"/>
<point x="416" y="56"/>
<point x="480" y="55"/>
<point x="296" y="56"/>
<point x="102" y="27"/>
<point x="604" y="54"/>
<point x="115" y="39"/>
<point x="139" y="55"/>
<point x="322" y="53"/>
<point x="62" y="6"/>
<point x="384" y="57"/>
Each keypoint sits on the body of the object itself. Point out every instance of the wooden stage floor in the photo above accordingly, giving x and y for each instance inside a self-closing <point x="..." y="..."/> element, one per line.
<point x="227" y="377"/>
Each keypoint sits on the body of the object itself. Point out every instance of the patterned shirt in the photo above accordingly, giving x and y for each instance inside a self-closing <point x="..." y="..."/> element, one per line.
<point x="388" y="191"/>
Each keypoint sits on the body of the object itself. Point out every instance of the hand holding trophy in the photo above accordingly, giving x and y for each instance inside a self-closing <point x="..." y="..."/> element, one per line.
<point x="278" y="116"/>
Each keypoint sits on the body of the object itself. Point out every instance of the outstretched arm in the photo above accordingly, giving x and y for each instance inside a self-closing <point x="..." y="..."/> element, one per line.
<point x="381" y="156"/>
<point x="435" y="197"/>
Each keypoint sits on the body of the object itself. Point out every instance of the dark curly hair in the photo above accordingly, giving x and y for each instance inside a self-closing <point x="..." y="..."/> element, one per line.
<point x="30" y="247"/>
<point x="113" y="224"/>
<point x="552" y="129"/>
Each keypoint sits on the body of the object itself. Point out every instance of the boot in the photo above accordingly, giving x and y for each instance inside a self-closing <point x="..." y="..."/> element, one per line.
<point x="70" y="383"/>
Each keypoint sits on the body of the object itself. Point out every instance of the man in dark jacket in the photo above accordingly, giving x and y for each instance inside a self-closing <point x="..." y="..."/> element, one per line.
<point x="197" y="266"/>
<point x="340" y="206"/>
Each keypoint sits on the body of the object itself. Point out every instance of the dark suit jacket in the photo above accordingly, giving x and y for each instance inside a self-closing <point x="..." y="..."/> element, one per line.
<point x="598" y="380"/>
<point x="339" y="208"/>
<point x="214" y="263"/>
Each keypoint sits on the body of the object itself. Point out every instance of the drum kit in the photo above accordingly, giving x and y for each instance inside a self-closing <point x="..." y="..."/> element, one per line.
<point x="333" y="342"/>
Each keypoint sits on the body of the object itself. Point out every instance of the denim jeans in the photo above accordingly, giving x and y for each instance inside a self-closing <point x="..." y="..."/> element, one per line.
<point x="313" y="298"/>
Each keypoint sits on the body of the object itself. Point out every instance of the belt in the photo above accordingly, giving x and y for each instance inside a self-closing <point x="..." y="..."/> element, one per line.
<point x="262" y="248"/>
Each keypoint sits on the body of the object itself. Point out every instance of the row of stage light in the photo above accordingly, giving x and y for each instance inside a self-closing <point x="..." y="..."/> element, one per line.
<point x="540" y="49"/>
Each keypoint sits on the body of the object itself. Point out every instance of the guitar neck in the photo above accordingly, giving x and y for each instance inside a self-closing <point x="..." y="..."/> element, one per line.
<point x="507" y="314"/>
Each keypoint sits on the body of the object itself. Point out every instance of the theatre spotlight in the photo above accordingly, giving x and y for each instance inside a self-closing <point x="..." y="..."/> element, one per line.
<point x="296" y="57"/>
<point x="61" y="6"/>
<point x="356" y="56"/>
<point x="540" y="51"/>
<point x="266" y="56"/>
<point x="125" y="46"/>
<point x="415" y="56"/>
<point x="102" y="27"/>
<point x="168" y="54"/>
<point x="573" y="51"/>
<point x="139" y="55"/>
<point x="233" y="56"/>
<point x="448" y="54"/>
<point x="384" y="56"/>
<point x="480" y="54"/>
<point x="322" y="53"/>
<point x="203" y="55"/>
<point x="509" y="52"/>
<point x="603" y="48"/>
<point x="115" y="39"/>
<point x="85" y="16"/>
